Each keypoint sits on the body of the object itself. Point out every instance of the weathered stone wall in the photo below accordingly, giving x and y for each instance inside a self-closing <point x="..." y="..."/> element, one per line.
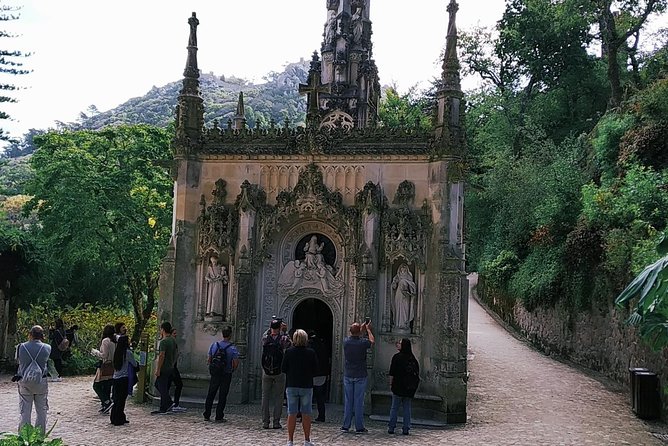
<point x="597" y="339"/>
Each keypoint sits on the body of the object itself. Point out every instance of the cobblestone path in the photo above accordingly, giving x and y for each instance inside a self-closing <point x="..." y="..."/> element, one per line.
<point x="517" y="396"/>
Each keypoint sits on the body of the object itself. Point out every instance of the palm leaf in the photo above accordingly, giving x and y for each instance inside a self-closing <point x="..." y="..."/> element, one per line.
<point x="641" y="287"/>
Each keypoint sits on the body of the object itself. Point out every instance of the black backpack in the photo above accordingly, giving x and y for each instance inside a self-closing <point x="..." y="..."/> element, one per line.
<point x="412" y="376"/>
<point x="218" y="364"/>
<point x="272" y="356"/>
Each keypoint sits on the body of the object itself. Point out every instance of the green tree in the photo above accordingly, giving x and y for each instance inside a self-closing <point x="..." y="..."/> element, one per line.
<point x="103" y="201"/>
<point x="619" y="21"/>
<point x="10" y="63"/>
<point x="397" y="110"/>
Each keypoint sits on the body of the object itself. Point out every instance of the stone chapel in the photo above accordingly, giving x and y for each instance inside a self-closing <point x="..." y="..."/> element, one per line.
<point x="324" y="225"/>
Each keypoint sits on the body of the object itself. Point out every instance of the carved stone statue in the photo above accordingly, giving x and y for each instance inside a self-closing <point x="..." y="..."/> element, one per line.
<point x="312" y="272"/>
<point x="313" y="252"/>
<point x="216" y="279"/>
<point x="358" y="25"/>
<point x="403" y="299"/>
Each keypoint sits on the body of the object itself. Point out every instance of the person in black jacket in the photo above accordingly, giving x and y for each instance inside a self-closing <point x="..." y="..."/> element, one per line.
<point x="320" y="378"/>
<point x="56" y="336"/>
<point x="404" y="380"/>
<point x="300" y="365"/>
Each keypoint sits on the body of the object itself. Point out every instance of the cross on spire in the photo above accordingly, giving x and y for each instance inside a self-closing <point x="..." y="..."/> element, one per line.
<point x="313" y="89"/>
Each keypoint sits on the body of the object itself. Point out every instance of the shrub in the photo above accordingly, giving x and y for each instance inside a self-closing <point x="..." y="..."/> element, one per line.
<point x="90" y="319"/>
<point x="536" y="281"/>
<point x="499" y="270"/>
<point x="30" y="436"/>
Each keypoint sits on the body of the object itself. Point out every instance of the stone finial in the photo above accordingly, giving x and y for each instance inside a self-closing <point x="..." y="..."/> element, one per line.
<point x="190" y="108"/>
<point x="451" y="66"/>
<point x="191" y="63"/>
<point x="239" y="120"/>
<point x="448" y="125"/>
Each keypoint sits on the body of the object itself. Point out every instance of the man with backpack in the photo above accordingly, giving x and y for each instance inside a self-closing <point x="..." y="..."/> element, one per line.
<point x="274" y="344"/>
<point x="223" y="360"/>
<point x="32" y="357"/>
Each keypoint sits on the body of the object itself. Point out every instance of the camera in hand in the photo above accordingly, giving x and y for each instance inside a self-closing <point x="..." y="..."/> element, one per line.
<point x="367" y="320"/>
<point x="16" y="378"/>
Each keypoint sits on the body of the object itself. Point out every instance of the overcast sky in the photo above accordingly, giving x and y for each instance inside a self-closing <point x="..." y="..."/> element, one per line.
<point x="106" y="52"/>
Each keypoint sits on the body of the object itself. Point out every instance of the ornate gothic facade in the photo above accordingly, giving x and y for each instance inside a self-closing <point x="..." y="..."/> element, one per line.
<point x="324" y="225"/>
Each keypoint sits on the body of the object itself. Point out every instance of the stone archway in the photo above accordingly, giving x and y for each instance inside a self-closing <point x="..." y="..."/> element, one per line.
<point x="288" y="310"/>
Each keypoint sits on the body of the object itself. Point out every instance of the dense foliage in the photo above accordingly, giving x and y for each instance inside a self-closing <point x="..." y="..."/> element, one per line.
<point x="90" y="319"/>
<point x="104" y="207"/>
<point x="567" y="195"/>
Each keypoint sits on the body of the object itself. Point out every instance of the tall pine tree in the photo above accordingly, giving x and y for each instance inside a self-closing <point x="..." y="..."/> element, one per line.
<point x="10" y="64"/>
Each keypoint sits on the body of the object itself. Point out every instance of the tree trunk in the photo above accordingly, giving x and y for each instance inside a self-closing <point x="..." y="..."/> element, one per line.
<point x="142" y="313"/>
<point x="614" y="76"/>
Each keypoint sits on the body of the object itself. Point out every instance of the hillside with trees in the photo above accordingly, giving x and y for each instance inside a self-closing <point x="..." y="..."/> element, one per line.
<point x="277" y="98"/>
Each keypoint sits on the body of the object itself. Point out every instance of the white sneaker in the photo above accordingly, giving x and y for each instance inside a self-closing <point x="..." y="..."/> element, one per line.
<point x="179" y="409"/>
<point x="55" y="380"/>
<point x="308" y="443"/>
<point x="290" y="443"/>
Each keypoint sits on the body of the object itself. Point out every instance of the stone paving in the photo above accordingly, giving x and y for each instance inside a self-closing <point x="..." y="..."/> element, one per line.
<point x="517" y="396"/>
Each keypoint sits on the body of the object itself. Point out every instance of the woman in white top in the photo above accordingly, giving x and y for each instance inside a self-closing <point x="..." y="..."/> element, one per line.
<point x="105" y="372"/>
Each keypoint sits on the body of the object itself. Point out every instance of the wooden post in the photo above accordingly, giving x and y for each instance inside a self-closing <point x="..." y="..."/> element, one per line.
<point x="140" y="396"/>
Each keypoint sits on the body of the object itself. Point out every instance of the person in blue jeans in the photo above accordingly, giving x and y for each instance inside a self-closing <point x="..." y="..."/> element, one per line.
<point x="355" y="374"/>
<point x="220" y="381"/>
<point x="404" y="380"/>
<point x="300" y="364"/>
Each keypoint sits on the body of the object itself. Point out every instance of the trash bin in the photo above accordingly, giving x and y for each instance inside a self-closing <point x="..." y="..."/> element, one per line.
<point x="647" y="397"/>
<point x="632" y="384"/>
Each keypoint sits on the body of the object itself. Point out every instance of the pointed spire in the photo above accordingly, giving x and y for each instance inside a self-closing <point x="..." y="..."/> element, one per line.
<point x="239" y="120"/>
<point x="449" y="123"/>
<point x="451" y="66"/>
<point x="190" y="109"/>
<point x="192" y="71"/>
<point x="240" y="104"/>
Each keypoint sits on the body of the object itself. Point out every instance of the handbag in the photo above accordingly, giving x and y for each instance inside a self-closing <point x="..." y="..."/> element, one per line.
<point x="107" y="370"/>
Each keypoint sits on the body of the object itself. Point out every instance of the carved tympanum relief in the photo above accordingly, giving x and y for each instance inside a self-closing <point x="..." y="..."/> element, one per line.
<point x="313" y="267"/>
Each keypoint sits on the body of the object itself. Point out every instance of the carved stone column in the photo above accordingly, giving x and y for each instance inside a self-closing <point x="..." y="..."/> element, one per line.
<point x="245" y="297"/>
<point x="250" y="198"/>
<point x="447" y="284"/>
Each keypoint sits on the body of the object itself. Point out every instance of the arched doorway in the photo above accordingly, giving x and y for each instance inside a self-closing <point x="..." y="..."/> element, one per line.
<point x="314" y="315"/>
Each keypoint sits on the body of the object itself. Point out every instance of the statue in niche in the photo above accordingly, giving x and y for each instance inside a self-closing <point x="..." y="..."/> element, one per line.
<point x="358" y="25"/>
<point x="313" y="252"/>
<point x="216" y="280"/>
<point x="403" y="299"/>
<point x="312" y="268"/>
